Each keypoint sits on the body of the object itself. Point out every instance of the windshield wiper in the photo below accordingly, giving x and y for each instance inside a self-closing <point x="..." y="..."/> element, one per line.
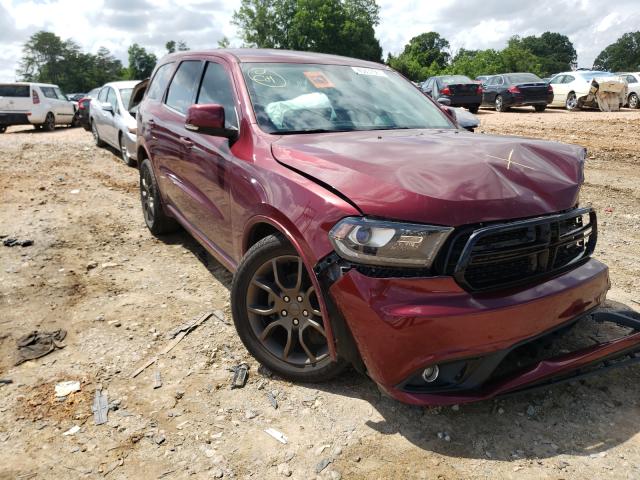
<point x="315" y="130"/>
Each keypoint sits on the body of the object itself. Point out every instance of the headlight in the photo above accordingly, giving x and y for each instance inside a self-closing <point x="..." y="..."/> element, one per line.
<point x="377" y="242"/>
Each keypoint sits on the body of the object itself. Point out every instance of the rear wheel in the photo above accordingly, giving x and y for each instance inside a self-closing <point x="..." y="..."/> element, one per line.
<point x="633" y="101"/>
<point x="124" y="153"/>
<point x="96" y="135"/>
<point x="500" y="106"/>
<point x="156" y="220"/>
<point x="540" y="108"/>
<point x="572" y="101"/>
<point x="474" y="108"/>
<point x="49" y="122"/>
<point x="277" y="314"/>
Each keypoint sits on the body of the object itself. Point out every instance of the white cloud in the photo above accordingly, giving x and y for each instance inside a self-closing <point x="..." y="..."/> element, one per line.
<point x="470" y="24"/>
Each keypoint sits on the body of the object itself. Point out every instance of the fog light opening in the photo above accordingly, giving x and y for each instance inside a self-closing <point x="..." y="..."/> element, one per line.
<point x="430" y="374"/>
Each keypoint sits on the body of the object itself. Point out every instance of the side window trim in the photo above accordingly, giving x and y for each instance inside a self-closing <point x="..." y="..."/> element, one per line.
<point x="166" y="87"/>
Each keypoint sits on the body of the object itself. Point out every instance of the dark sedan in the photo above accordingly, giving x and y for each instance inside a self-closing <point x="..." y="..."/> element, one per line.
<point x="516" y="90"/>
<point x="459" y="89"/>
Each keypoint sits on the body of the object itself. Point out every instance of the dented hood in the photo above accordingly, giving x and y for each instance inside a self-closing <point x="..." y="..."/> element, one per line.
<point x="440" y="177"/>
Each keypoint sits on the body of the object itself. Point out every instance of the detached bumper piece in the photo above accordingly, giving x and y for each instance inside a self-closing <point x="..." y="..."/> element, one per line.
<point x="536" y="363"/>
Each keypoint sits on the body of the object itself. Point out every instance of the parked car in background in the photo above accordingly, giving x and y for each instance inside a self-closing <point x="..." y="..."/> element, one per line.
<point x="633" y="88"/>
<point x="74" y="97"/>
<point x="365" y="227"/>
<point x="39" y="104"/>
<point x="577" y="89"/>
<point x="84" y="105"/>
<point x="516" y="90"/>
<point x="459" y="89"/>
<point x="482" y="78"/>
<point x="111" y="122"/>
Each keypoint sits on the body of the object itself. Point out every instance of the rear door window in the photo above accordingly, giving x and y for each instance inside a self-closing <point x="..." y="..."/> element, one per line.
<point x="102" y="96"/>
<point x="631" y="79"/>
<point x="159" y="82"/>
<point x="182" y="90"/>
<point x="49" y="92"/>
<point x="60" y="95"/>
<point x="216" y="88"/>
<point x="568" y="79"/>
<point x="14" y="91"/>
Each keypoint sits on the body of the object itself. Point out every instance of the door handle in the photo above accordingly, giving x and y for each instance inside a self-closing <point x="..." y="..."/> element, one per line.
<point x="186" y="142"/>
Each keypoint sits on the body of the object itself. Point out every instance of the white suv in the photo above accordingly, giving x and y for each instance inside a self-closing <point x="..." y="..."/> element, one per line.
<point x="39" y="104"/>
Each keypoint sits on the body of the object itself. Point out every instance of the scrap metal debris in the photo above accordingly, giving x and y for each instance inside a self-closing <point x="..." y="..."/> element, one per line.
<point x="272" y="400"/>
<point x="5" y="381"/>
<point x="14" y="242"/>
<point x="180" y="334"/>
<point x="240" y="374"/>
<point x="38" y="344"/>
<point x="65" y="388"/>
<point x="100" y="407"/>
<point x="279" y="436"/>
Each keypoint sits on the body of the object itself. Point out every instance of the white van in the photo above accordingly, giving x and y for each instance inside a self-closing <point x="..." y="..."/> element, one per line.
<point x="39" y="104"/>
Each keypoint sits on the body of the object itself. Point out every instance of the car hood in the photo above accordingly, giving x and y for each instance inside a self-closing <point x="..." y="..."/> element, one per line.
<point x="444" y="177"/>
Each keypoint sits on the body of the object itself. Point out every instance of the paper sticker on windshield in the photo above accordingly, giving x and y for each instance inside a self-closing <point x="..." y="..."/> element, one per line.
<point x="267" y="78"/>
<point x="318" y="80"/>
<point x="373" y="72"/>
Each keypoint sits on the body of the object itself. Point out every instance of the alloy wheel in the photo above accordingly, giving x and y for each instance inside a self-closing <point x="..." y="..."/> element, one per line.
<point x="572" y="101"/>
<point x="633" y="101"/>
<point x="284" y="313"/>
<point x="498" y="103"/>
<point x="50" y="122"/>
<point x="124" y="153"/>
<point x="148" y="196"/>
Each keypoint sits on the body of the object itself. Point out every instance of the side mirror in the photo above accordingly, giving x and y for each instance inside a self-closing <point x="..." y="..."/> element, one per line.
<point x="445" y="102"/>
<point x="209" y="119"/>
<point x="107" y="107"/>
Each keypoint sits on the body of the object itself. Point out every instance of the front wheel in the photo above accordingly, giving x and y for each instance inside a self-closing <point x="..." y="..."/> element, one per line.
<point x="572" y="102"/>
<point x="500" y="106"/>
<point x="277" y="314"/>
<point x="633" y="101"/>
<point x="540" y="108"/>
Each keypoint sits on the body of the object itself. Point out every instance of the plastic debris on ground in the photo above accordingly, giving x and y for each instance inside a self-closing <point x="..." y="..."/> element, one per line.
<point x="38" y="344"/>
<point x="279" y="436"/>
<point x="65" y="388"/>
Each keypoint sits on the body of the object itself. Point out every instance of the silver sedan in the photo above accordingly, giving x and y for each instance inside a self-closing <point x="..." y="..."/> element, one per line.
<point x="111" y="122"/>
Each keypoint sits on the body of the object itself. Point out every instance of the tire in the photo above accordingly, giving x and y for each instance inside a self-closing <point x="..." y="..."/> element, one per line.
<point x="96" y="135"/>
<point x="500" y="106"/>
<point x="124" y="153"/>
<point x="571" y="103"/>
<point x="474" y="108"/>
<point x="634" y="102"/>
<point x="3" y="129"/>
<point x="157" y="221"/>
<point x="283" y="330"/>
<point x="540" y="108"/>
<point x="49" y="124"/>
<point x="75" y="121"/>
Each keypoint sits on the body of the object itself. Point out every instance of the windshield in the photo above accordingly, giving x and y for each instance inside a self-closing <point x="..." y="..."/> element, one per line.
<point x="523" y="78"/>
<point x="451" y="79"/>
<point x="125" y="95"/>
<point x="591" y="75"/>
<point x="304" y="98"/>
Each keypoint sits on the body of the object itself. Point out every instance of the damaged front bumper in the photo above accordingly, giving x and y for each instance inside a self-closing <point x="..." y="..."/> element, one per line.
<point x="396" y="328"/>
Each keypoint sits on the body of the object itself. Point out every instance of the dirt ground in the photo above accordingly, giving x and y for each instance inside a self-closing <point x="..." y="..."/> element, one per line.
<point x="96" y="271"/>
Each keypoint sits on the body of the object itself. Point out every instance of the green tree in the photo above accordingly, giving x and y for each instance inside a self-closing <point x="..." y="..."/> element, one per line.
<point x="622" y="55"/>
<point x="173" y="46"/>
<point x="141" y="62"/>
<point x="342" y="27"/>
<point x="43" y="57"/>
<point x="516" y="58"/>
<point x="425" y="55"/>
<point x="477" y="62"/>
<point x="554" y="51"/>
<point x="106" y="68"/>
<point x="224" y="42"/>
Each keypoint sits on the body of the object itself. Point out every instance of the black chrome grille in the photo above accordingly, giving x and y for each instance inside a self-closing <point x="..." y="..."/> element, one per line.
<point x="517" y="253"/>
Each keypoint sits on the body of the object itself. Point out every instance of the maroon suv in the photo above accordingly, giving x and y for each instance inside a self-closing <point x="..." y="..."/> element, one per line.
<point x="365" y="227"/>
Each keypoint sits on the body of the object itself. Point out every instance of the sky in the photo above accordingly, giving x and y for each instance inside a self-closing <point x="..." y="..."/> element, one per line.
<point x="472" y="24"/>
